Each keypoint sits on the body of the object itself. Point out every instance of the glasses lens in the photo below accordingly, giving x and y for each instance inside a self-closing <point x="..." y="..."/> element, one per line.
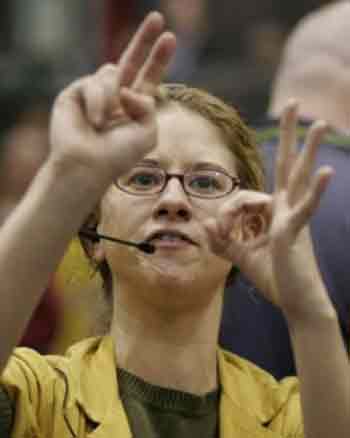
<point x="208" y="183"/>
<point x="142" y="180"/>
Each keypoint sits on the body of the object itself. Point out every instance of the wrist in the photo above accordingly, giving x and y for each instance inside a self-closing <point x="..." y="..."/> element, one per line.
<point x="81" y="177"/>
<point x="313" y="317"/>
<point x="63" y="195"/>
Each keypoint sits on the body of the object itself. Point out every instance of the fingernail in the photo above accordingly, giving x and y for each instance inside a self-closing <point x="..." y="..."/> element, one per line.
<point x="156" y="16"/>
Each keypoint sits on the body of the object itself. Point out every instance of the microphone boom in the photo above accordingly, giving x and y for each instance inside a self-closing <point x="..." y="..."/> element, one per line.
<point x="145" y="247"/>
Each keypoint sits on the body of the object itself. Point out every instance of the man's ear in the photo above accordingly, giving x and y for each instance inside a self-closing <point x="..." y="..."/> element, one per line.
<point x="254" y="225"/>
<point x="92" y="247"/>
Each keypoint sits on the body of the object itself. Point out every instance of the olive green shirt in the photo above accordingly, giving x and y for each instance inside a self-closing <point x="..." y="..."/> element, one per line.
<point x="153" y="411"/>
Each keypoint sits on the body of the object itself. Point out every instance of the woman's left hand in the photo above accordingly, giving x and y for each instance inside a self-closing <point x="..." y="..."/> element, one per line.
<point x="267" y="236"/>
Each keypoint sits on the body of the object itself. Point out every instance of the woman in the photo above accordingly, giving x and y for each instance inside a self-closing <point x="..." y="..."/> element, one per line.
<point x="172" y="167"/>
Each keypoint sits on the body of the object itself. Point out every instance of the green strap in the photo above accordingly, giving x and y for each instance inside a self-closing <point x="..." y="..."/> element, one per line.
<point x="271" y="134"/>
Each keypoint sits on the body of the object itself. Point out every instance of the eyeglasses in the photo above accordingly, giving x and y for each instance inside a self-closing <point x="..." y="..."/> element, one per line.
<point x="203" y="183"/>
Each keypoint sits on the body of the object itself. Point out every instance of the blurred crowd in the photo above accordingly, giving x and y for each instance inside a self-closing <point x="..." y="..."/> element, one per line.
<point x="230" y="48"/>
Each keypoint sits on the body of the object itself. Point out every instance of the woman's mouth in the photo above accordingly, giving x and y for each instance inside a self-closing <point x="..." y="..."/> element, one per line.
<point x="170" y="239"/>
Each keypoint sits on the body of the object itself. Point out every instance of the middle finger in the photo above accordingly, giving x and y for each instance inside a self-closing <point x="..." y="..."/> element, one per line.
<point x="138" y="49"/>
<point x="156" y="64"/>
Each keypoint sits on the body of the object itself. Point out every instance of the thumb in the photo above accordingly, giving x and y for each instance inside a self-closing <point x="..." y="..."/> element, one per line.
<point x="221" y="243"/>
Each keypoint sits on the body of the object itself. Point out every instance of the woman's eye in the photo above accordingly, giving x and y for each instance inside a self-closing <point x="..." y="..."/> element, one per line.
<point x="144" y="180"/>
<point x="204" y="183"/>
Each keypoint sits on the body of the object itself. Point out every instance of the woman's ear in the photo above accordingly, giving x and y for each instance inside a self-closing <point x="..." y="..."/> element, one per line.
<point x="93" y="247"/>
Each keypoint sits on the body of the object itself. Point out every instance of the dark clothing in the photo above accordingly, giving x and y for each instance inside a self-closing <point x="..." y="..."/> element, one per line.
<point x="7" y="412"/>
<point x="252" y="327"/>
<point x="161" y="412"/>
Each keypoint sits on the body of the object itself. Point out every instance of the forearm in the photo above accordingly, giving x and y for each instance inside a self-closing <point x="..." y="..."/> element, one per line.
<point x="33" y="241"/>
<point x="324" y="374"/>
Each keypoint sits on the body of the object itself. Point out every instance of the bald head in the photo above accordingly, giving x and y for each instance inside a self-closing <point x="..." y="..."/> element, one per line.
<point x="315" y="66"/>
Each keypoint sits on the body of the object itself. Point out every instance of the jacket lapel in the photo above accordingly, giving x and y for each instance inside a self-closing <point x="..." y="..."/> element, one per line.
<point x="236" y="422"/>
<point x="248" y="402"/>
<point x="92" y="376"/>
<point x="114" y="424"/>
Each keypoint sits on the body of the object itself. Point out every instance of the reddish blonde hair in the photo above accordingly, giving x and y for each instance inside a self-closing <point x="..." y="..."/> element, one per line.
<point x="239" y="138"/>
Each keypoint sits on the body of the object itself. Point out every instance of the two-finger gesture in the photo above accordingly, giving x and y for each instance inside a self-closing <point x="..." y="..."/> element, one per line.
<point x="106" y="121"/>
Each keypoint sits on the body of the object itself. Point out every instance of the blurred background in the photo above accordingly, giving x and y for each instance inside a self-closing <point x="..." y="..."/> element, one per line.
<point x="230" y="48"/>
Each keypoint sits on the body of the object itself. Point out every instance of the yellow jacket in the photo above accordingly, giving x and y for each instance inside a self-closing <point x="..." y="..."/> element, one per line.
<point x="77" y="396"/>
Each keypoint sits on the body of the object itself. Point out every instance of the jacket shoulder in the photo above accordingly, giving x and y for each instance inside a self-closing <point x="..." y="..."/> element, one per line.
<point x="274" y="404"/>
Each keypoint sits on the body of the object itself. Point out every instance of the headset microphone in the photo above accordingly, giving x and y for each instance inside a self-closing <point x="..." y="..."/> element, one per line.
<point x="145" y="247"/>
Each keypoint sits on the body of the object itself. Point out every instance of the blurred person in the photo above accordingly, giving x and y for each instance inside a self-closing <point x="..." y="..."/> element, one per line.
<point x="314" y="69"/>
<point x="118" y="25"/>
<point x="26" y="97"/>
<point x="189" y="20"/>
<point x="245" y="80"/>
<point x="24" y="148"/>
<point x="203" y="60"/>
<point x="188" y="169"/>
<point x="316" y="57"/>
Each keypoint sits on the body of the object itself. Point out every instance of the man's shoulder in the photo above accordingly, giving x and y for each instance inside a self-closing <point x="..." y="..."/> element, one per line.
<point x="267" y="133"/>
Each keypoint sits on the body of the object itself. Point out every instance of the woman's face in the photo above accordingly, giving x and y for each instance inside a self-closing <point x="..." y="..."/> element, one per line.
<point x="185" y="140"/>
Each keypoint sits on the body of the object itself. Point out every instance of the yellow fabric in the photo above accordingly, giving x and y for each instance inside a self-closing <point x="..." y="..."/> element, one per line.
<point x="77" y="396"/>
<point x="80" y="294"/>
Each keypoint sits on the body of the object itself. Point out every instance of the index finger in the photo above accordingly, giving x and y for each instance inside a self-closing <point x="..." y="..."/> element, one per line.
<point x="153" y="70"/>
<point x="286" y="148"/>
<point x="302" y="170"/>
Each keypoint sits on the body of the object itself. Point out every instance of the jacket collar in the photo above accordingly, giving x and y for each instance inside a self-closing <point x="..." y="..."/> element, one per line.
<point x="250" y="397"/>
<point x="92" y="376"/>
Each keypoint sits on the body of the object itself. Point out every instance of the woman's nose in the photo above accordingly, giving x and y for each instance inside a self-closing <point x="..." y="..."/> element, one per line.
<point x="173" y="202"/>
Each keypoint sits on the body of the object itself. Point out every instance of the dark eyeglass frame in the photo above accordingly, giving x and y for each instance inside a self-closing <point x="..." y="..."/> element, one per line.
<point x="236" y="183"/>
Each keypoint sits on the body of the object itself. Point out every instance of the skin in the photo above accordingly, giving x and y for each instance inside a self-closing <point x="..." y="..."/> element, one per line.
<point x="183" y="136"/>
<point x="99" y="130"/>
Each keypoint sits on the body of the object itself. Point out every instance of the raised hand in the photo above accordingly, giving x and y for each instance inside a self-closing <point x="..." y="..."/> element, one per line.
<point x="106" y="122"/>
<point x="101" y="125"/>
<point x="273" y="247"/>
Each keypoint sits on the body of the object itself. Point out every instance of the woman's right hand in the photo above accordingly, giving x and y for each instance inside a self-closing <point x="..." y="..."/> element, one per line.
<point x="104" y="123"/>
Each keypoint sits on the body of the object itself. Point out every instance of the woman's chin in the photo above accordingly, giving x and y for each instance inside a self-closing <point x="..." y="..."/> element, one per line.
<point x="174" y="273"/>
<point x="171" y="269"/>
